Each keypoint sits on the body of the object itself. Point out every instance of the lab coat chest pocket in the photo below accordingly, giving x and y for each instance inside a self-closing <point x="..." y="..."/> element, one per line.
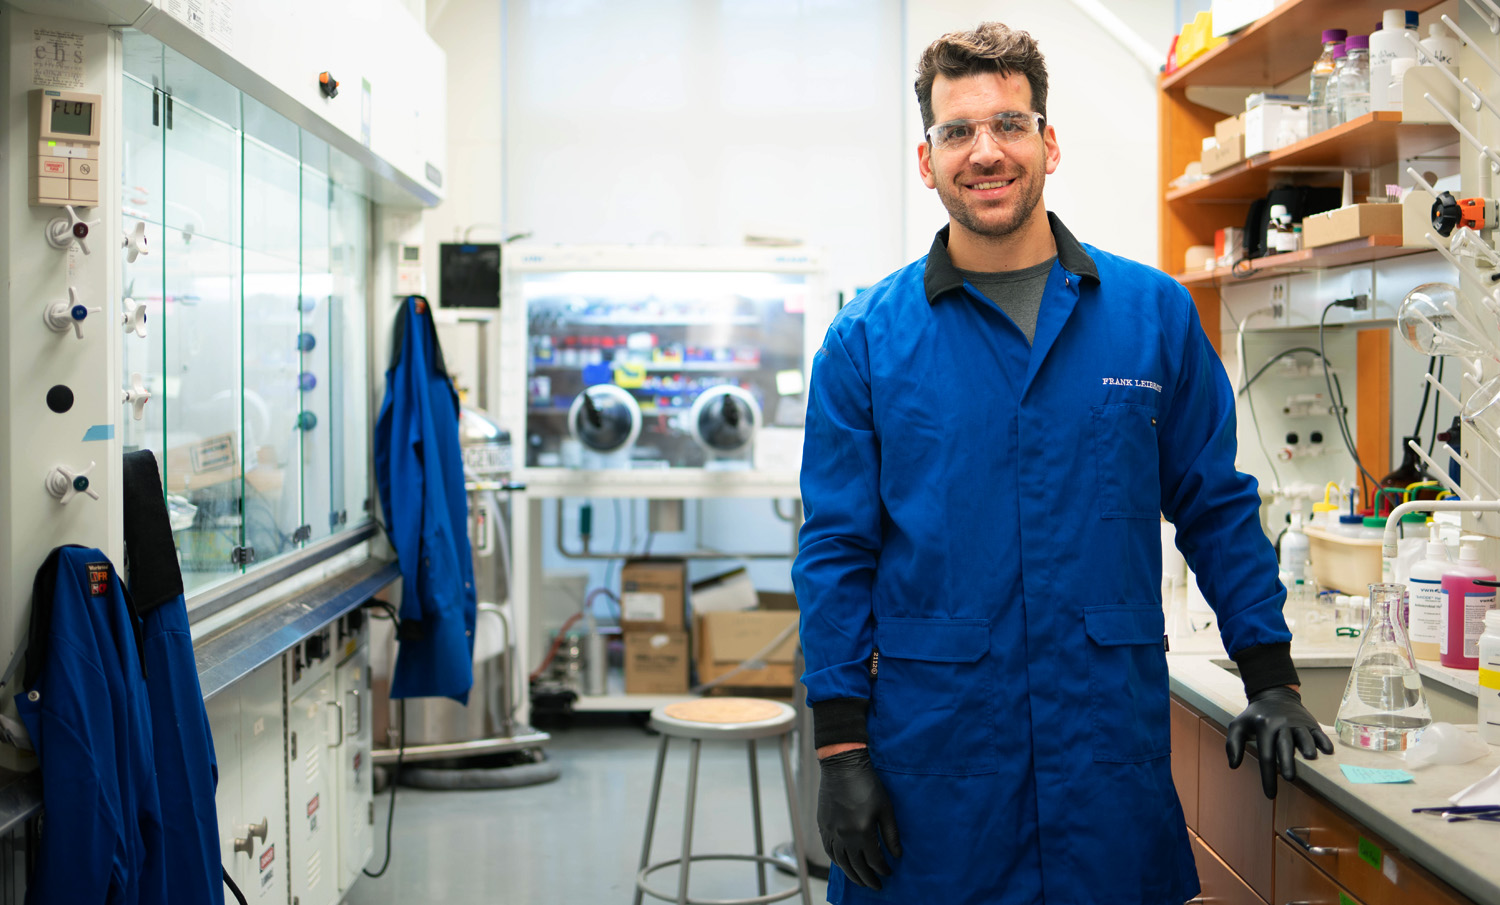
<point x="1127" y="460"/>
<point x="1128" y="682"/>
<point x="932" y="704"/>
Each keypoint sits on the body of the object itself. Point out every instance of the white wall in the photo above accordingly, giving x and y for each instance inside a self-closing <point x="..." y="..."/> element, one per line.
<point x="1100" y="98"/>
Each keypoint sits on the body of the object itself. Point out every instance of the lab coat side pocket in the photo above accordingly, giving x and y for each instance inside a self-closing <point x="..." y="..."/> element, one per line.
<point x="1128" y="682"/>
<point x="1127" y="460"/>
<point x="932" y="703"/>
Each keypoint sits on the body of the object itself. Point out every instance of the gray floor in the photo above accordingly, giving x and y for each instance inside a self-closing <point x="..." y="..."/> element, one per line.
<point x="577" y="840"/>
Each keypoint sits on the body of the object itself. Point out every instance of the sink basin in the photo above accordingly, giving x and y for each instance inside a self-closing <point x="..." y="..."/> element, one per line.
<point x="1323" y="691"/>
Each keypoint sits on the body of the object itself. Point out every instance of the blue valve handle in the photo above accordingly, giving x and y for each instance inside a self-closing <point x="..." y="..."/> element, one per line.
<point x="80" y="483"/>
<point x="79" y="312"/>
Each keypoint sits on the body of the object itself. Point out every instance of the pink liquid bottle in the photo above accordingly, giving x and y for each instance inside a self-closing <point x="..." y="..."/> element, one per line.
<point x="1465" y="601"/>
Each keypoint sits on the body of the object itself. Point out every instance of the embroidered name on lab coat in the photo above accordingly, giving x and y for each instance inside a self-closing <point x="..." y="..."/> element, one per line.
<point x="1127" y="382"/>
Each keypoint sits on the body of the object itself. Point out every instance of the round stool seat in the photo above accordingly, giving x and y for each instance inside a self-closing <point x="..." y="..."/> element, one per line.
<point x="724" y="718"/>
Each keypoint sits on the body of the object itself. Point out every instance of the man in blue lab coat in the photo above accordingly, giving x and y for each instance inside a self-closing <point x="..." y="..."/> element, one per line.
<point x="992" y="435"/>
<point x="419" y="470"/>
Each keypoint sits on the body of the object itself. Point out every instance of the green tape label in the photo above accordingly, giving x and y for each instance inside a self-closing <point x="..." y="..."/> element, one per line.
<point x="1370" y="853"/>
<point x="1345" y="900"/>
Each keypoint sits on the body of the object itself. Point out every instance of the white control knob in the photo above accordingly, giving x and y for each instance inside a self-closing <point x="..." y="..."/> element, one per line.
<point x="61" y="316"/>
<point x="135" y="243"/>
<point x="136" y="396"/>
<point x="64" y="483"/>
<point x="134" y="317"/>
<point x="64" y="231"/>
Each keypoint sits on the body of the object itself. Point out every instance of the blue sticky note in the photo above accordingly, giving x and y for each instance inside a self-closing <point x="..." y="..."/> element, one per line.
<point x="1371" y="774"/>
<point x="99" y="432"/>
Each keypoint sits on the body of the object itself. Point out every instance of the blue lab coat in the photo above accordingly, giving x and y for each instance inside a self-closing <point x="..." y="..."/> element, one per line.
<point x="420" y="473"/>
<point x="87" y="710"/>
<point x="984" y="514"/>
<point x="187" y="771"/>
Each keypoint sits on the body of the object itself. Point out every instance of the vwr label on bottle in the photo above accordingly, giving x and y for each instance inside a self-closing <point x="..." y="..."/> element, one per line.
<point x="1426" y="615"/>
<point x="1474" y="609"/>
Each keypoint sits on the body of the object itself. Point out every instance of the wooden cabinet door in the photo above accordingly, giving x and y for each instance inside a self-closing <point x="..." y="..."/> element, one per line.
<point x="1360" y="861"/>
<point x="1221" y="885"/>
<point x="1297" y="880"/>
<point x="1185" y="760"/>
<point x="1234" y="815"/>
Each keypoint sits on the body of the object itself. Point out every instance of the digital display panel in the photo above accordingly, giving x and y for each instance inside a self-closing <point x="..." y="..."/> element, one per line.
<point x="72" y="117"/>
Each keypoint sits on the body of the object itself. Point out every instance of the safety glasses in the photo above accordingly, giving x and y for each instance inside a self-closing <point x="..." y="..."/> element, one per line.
<point x="1005" y="128"/>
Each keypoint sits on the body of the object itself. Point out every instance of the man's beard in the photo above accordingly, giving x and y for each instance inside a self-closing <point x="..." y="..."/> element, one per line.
<point x="965" y="216"/>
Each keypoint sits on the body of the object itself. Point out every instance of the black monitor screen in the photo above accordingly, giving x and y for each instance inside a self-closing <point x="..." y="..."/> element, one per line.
<point x="470" y="275"/>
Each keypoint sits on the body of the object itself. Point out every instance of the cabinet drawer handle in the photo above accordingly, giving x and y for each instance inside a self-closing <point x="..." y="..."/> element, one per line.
<point x="1291" y="834"/>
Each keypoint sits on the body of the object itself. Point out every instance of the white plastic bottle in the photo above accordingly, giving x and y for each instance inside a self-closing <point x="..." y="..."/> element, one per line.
<point x="1425" y="588"/>
<point x="1439" y="45"/>
<point x="1294" y="549"/>
<point x="1387" y="45"/>
<point x="1282" y="237"/>
<point x="1489" y="679"/>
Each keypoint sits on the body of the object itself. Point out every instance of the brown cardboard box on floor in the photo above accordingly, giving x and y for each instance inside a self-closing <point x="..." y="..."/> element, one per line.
<point x="653" y="595"/>
<point x="727" y="639"/>
<point x="656" y="662"/>
<point x="1352" y="222"/>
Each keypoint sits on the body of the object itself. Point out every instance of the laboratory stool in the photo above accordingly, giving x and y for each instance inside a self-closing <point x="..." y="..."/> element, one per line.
<point x="723" y="719"/>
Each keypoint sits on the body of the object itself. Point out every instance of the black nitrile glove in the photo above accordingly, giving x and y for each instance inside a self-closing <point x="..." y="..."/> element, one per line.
<point x="1278" y="722"/>
<point x="854" y="814"/>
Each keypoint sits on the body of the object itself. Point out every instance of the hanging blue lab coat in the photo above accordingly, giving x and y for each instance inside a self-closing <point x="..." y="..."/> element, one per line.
<point x="984" y="514"/>
<point x="187" y="770"/>
<point x="87" y="710"/>
<point x="419" y="470"/>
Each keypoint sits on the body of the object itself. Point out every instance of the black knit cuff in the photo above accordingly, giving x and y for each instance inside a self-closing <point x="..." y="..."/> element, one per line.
<point x="1266" y="666"/>
<point x="840" y="720"/>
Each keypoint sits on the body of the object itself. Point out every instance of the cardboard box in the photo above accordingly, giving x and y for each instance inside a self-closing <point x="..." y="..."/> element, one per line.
<point x="210" y="461"/>
<point x="1352" y="222"/>
<point x="656" y="662"/>
<point x="777" y="600"/>
<point x="1223" y="155"/>
<point x="1227" y="130"/>
<point x="725" y="640"/>
<point x="732" y="591"/>
<point x="653" y="595"/>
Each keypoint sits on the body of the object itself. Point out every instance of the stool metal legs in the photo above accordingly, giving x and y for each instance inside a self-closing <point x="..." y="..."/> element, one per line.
<point x="760" y="846"/>
<point x="661" y="762"/>
<point x="687" y="824"/>
<point x="687" y="829"/>
<point x="791" y="802"/>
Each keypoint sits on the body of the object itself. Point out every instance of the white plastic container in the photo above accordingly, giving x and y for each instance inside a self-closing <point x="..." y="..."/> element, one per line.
<point x="1387" y="45"/>
<point x="1440" y="45"/>
<point x="1343" y="563"/>
<point x="1489" y="679"/>
<point x="1425" y="597"/>
<point x="1294" y="552"/>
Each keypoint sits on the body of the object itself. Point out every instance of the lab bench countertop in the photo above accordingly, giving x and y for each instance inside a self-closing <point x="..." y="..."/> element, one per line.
<point x="1461" y="854"/>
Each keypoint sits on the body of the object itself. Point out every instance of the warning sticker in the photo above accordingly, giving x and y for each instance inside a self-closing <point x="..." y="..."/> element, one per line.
<point x="56" y="58"/>
<point x="267" y="856"/>
<point x="98" y="579"/>
<point x="213" y="19"/>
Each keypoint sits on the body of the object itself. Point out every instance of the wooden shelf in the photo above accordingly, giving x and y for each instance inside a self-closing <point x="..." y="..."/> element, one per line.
<point x="1372" y="140"/>
<point x="1355" y="251"/>
<point x="1281" y="44"/>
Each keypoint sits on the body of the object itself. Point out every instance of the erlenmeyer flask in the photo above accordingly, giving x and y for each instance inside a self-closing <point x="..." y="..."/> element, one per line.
<point x="1430" y="322"/>
<point x="1383" y="707"/>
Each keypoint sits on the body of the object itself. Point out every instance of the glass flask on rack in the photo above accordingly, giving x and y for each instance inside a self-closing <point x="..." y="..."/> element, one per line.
<point x="1383" y="708"/>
